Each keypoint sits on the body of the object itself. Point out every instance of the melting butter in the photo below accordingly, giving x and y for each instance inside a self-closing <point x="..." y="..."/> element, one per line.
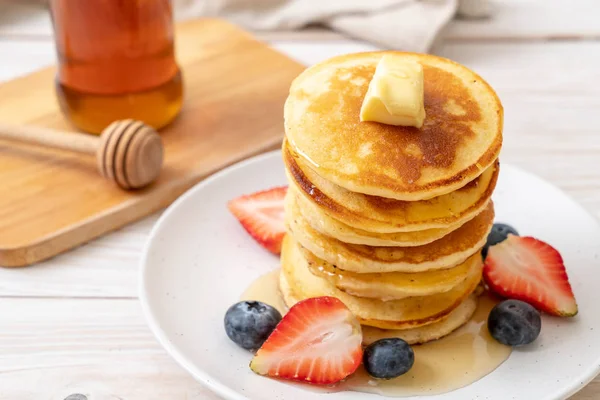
<point x="396" y="93"/>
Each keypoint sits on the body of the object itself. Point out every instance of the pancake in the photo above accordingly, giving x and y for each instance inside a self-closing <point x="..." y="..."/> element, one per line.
<point x="460" y="138"/>
<point x="331" y="227"/>
<point x="423" y="334"/>
<point x="377" y="214"/>
<point x="393" y="285"/>
<point x="394" y="314"/>
<point x="419" y="335"/>
<point x="443" y="253"/>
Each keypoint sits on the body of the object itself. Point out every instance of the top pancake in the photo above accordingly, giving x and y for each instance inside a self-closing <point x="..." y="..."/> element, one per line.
<point x="461" y="135"/>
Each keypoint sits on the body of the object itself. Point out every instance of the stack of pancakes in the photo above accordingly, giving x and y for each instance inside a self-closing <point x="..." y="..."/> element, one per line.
<point x="390" y="219"/>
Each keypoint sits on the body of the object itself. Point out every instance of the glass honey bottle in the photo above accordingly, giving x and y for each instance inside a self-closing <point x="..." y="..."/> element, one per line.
<point x="116" y="60"/>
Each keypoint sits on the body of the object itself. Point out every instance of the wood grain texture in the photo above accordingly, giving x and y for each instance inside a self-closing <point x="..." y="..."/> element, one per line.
<point x="553" y="116"/>
<point x="106" y="268"/>
<point x="527" y="20"/>
<point x="549" y="93"/>
<point x="98" y="347"/>
<point x="130" y="154"/>
<point x="70" y="141"/>
<point x="27" y="56"/>
<point x="101" y="348"/>
<point x="51" y="201"/>
<point x="72" y="323"/>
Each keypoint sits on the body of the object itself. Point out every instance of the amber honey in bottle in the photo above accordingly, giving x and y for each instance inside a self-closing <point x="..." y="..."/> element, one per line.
<point x="116" y="61"/>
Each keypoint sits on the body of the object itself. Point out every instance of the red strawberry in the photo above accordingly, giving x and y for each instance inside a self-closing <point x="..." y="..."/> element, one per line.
<point x="261" y="214"/>
<point x="317" y="341"/>
<point x="530" y="270"/>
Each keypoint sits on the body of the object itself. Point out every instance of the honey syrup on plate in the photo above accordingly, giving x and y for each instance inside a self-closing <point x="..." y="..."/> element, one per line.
<point x="455" y="361"/>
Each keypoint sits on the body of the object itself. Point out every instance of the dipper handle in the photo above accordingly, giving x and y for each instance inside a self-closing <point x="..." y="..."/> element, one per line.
<point x="129" y="153"/>
<point x="73" y="141"/>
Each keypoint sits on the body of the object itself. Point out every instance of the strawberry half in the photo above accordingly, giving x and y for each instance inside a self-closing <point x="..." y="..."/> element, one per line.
<point x="261" y="215"/>
<point x="317" y="341"/>
<point x="527" y="269"/>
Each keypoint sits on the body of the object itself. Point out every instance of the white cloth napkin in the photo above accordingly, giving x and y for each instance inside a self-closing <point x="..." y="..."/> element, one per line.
<point x="410" y="25"/>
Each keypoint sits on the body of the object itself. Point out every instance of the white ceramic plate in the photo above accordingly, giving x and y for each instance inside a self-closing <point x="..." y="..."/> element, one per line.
<point x="199" y="260"/>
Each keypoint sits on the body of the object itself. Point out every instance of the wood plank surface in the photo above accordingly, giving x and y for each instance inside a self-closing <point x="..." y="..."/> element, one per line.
<point x="51" y="200"/>
<point x="526" y="20"/>
<point x="80" y="282"/>
<point x="27" y="56"/>
<point x="556" y="140"/>
<point x="101" y="348"/>
<point x="73" y="324"/>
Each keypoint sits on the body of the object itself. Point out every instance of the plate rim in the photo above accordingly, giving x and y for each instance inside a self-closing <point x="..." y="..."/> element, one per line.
<point x="214" y="384"/>
<point x="204" y="378"/>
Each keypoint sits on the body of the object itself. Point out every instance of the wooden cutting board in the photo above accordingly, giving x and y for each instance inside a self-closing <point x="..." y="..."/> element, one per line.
<point x="52" y="201"/>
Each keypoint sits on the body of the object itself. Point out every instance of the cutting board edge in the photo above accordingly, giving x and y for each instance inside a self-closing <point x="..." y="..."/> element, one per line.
<point x="26" y="249"/>
<point x="87" y="230"/>
<point x="84" y="231"/>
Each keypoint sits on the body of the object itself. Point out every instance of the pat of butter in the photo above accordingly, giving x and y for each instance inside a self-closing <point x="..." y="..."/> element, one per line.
<point x="395" y="94"/>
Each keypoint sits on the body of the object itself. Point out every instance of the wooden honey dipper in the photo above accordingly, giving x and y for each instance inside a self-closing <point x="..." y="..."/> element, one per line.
<point x="128" y="152"/>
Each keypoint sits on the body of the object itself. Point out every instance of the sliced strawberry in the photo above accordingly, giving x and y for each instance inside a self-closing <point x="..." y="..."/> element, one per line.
<point x="317" y="341"/>
<point x="261" y="214"/>
<point x="530" y="270"/>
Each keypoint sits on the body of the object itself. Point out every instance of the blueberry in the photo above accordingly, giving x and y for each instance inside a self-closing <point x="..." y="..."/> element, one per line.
<point x="249" y="323"/>
<point x="499" y="233"/>
<point x="514" y="323"/>
<point x="388" y="358"/>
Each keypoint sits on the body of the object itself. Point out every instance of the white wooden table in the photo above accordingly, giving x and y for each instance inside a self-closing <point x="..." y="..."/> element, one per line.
<point x="74" y="324"/>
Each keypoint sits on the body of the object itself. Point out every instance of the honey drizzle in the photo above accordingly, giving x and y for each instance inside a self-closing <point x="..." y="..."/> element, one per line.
<point x="441" y="366"/>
